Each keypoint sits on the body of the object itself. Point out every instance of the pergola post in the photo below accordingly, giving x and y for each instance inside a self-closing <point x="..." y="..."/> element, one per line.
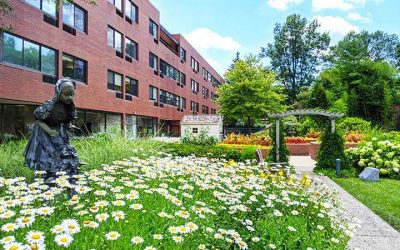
<point x="332" y="125"/>
<point x="277" y="139"/>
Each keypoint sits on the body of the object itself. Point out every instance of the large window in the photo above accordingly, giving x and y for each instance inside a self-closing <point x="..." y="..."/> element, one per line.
<point x="194" y="64"/>
<point x="131" y="11"/>
<point x="114" y="81"/>
<point x="131" y="48"/>
<point x="48" y="7"/>
<point x="183" y="54"/>
<point x="74" y="68"/>
<point x="74" y="16"/>
<point x="183" y="78"/>
<point x="153" y="29"/>
<point x="153" y="93"/>
<point x="28" y="54"/>
<point x="169" y="98"/>
<point x="169" y="71"/>
<point x="131" y="86"/>
<point x="117" y="4"/>
<point x="153" y="61"/>
<point x="194" y="86"/>
<point x="114" y="39"/>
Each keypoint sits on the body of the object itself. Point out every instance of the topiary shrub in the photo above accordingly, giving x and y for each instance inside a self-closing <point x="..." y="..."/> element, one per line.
<point x="283" y="150"/>
<point x="332" y="148"/>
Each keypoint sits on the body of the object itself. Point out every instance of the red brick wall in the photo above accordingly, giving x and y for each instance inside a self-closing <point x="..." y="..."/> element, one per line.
<point x="25" y="85"/>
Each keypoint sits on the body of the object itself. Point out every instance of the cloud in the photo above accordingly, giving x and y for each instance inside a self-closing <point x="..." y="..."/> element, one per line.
<point x="337" y="26"/>
<point x="215" y="64"/>
<point x="283" y="4"/>
<point x="204" y="38"/>
<point x="357" y="17"/>
<point x="345" y="5"/>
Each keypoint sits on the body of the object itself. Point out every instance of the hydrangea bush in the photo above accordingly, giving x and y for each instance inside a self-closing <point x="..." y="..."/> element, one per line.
<point x="384" y="155"/>
<point x="173" y="203"/>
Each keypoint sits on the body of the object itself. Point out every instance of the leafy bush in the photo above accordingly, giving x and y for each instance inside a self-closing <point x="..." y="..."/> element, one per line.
<point x="332" y="148"/>
<point x="383" y="155"/>
<point x="201" y="139"/>
<point x="283" y="150"/>
<point x="186" y="149"/>
<point x="354" y="124"/>
<point x="308" y="126"/>
<point x="253" y="139"/>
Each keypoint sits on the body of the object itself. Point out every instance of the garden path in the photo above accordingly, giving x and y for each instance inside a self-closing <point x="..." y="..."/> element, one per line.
<point x="374" y="233"/>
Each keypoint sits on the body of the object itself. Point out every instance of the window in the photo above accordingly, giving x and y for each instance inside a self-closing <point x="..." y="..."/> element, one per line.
<point x="204" y="109"/>
<point x="74" y="16"/>
<point x="183" y="54"/>
<point x="204" y="92"/>
<point x="163" y="96"/>
<point x="195" y="130"/>
<point x="131" y="11"/>
<point x="131" y="48"/>
<point x="28" y="54"/>
<point x="194" y="106"/>
<point x="194" y="64"/>
<point x="183" y="103"/>
<point x="117" y="4"/>
<point x="183" y="78"/>
<point x="74" y="68"/>
<point x="48" y="7"/>
<point x="114" y="39"/>
<point x="114" y="81"/>
<point x="213" y="111"/>
<point x="131" y="86"/>
<point x="194" y="86"/>
<point x="153" y="29"/>
<point x="153" y="61"/>
<point x="153" y="93"/>
<point x="169" y="71"/>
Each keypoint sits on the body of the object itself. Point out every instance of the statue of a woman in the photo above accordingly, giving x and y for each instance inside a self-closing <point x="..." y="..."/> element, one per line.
<point x="49" y="148"/>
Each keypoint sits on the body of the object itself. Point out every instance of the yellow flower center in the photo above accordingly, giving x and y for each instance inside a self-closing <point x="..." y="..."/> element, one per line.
<point x="14" y="248"/>
<point x="64" y="240"/>
<point x="71" y="226"/>
<point x="25" y="220"/>
<point x="36" y="236"/>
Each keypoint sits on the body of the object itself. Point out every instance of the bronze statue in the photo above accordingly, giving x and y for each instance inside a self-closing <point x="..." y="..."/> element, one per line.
<point x="49" y="148"/>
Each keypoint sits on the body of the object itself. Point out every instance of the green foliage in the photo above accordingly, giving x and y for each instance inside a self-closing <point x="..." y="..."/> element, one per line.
<point x="308" y="125"/>
<point x="201" y="139"/>
<point x="283" y="150"/>
<point x="332" y="148"/>
<point x="291" y="125"/>
<point x="249" y="94"/>
<point x="249" y="153"/>
<point x="319" y="100"/>
<point x="339" y="106"/>
<point x="296" y="53"/>
<point x="354" y="124"/>
<point x="186" y="149"/>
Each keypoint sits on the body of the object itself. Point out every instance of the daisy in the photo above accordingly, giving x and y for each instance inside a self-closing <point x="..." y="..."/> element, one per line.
<point x="173" y="230"/>
<point x="177" y="239"/>
<point x="118" y="203"/>
<point x="101" y="203"/>
<point x="25" y="221"/>
<point x="35" y="237"/>
<point x="136" y="206"/>
<point x="158" y="236"/>
<point x="193" y="227"/>
<point x="63" y="240"/>
<point x="37" y="247"/>
<point x="183" y="229"/>
<point x="118" y="215"/>
<point x="71" y="226"/>
<point x="291" y="229"/>
<point x="28" y="211"/>
<point x="9" y="227"/>
<point x="45" y="210"/>
<point x="113" y="235"/>
<point x="14" y="246"/>
<point x="7" y="240"/>
<point x="102" y="217"/>
<point x="202" y="247"/>
<point x="94" y="209"/>
<point x="7" y="214"/>
<point x="150" y="248"/>
<point x="242" y="245"/>
<point x="137" y="240"/>
<point x="320" y="227"/>
<point x="57" y="229"/>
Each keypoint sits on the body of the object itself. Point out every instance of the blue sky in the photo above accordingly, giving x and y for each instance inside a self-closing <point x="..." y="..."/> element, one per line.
<point x="219" y="28"/>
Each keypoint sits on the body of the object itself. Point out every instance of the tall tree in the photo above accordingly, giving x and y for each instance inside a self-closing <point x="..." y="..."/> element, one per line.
<point x="296" y="52"/>
<point x="237" y="58"/>
<point x="250" y="94"/>
<point x="377" y="46"/>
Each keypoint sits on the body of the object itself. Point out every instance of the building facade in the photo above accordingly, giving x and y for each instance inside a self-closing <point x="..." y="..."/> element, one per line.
<point x="131" y="73"/>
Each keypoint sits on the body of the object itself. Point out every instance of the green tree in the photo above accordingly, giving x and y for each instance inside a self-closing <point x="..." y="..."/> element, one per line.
<point x="377" y="46"/>
<point x="296" y="53"/>
<point x="332" y="148"/>
<point x="319" y="100"/>
<point x="250" y="94"/>
<point x="237" y="58"/>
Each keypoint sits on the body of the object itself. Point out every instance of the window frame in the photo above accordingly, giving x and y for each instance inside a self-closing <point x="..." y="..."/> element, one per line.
<point x="151" y="61"/>
<point x="127" y="39"/>
<point x="55" y="17"/>
<point x="85" y="73"/>
<point x="182" y="53"/>
<point x="153" y="25"/>
<point x="151" y="93"/>
<point x="134" y="91"/>
<point x="85" y="17"/>
<point x="111" y="86"/>
<point x="136" y="11"/>
<point x="122" y="38"/>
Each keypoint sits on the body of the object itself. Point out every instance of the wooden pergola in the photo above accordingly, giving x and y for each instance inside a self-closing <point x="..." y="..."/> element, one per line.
<point x="278" y="116"/>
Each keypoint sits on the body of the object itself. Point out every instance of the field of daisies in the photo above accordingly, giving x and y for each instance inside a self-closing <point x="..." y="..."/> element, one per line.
<point x="170" y="202"/>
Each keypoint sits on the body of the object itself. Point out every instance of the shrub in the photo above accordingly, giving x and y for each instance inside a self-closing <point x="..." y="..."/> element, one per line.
<point x="201" y="139"/>
<point x="283" y="150"/>
<point x="186" y="149"/>
<point x="308" y="126"/>
<point x="354" y="124"/>
<point x="332" y="148"/>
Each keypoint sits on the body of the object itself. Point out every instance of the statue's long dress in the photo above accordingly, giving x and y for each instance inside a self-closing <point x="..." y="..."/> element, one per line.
<point x="51" y="153"/>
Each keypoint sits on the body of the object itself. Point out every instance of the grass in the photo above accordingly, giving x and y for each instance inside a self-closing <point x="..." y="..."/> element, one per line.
<point x="382" y="197"/>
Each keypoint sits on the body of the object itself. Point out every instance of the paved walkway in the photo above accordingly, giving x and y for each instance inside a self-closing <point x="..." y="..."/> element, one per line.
<point x="374" y="233"/>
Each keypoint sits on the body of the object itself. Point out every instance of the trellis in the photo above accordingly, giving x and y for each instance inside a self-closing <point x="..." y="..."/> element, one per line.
<point x="278" y="116"/>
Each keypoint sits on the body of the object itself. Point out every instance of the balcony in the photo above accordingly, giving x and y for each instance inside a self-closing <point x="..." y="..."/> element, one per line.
<point x="169" y="41"/>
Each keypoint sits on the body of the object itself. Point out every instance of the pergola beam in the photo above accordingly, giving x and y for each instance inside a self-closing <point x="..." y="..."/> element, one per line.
<point x="306" y="112"/>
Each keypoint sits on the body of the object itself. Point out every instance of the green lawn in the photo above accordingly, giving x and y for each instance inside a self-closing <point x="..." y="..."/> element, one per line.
<point x="382" y="197"/>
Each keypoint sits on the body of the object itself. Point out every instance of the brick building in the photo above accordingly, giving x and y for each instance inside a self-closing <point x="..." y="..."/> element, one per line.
<point x="130" y="71"/>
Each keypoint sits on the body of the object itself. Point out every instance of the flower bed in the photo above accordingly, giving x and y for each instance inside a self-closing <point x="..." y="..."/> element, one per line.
<point x="173" y="203"/>
<point x="383" y="155"/>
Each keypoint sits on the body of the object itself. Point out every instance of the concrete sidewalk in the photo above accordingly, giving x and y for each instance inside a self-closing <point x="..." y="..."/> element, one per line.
<point x="374" y="233"/>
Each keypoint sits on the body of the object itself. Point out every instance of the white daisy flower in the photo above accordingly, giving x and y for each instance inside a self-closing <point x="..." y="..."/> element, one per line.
<point x="137" y="240"/>
<point x="113" y="235"/>
<point x="35" y="237"/>
<point x="63" y="240"/>
<point x="9" y="227"/>
<point x="71" y="226"/>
